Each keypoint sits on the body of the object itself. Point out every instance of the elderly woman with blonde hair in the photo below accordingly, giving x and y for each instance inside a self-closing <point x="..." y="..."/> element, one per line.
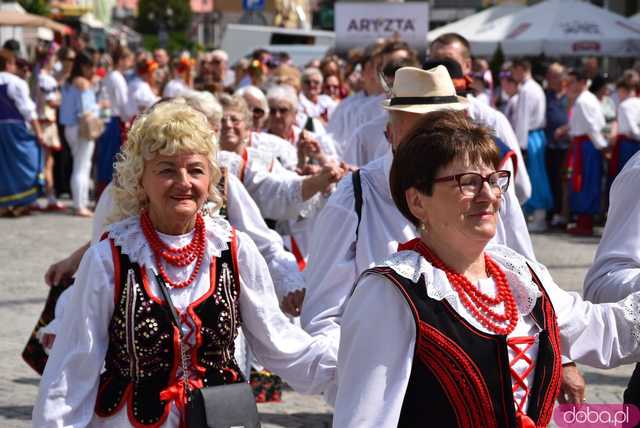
<point x="118" y="360"/>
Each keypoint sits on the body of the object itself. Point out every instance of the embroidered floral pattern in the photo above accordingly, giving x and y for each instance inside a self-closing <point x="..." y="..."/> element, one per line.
<point x="631" y="310"/>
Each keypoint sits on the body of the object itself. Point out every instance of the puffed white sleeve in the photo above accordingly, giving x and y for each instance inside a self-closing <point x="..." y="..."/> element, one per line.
<point x="602" y="335"/>
<point x="521" y="118"/>
<point x="69" y="384"/>
<point x="304" y="362"/>
<point x="18" y="90"/>
<point x="244" y="215"/>
<point x="594" y="117"/>
<point x="331" y="269"/>
<point x="278" y="192"/>
<point x="615" y="272"/>
<point x="628" y="114"/>
<point x="375" y="356"/>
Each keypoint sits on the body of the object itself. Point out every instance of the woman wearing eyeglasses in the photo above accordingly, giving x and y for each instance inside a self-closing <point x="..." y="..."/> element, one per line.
<point x="473" y="332"/>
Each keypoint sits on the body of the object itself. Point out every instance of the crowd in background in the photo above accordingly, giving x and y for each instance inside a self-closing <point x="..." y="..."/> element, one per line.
<point x="69" y="81"/>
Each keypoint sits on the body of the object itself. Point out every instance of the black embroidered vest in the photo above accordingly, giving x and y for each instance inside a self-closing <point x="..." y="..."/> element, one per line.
<point x="143" y="357"/>
<point x="460" y="375"/>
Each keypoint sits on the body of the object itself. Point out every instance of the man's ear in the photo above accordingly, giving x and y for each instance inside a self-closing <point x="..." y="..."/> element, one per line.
<point x="416" y="201"/>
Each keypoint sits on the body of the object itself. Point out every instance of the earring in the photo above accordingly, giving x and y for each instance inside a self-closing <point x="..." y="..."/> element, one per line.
<point x="422" y="227"/>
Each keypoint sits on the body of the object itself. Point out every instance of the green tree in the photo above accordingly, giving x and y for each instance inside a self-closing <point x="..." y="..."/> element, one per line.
<point x="175" y="15"/>
<point x="36" y="7"/>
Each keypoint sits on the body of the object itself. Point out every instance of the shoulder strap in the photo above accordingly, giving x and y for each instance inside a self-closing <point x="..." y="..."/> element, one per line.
<point x="357" y="193"/>
<point x="167" y="298"/>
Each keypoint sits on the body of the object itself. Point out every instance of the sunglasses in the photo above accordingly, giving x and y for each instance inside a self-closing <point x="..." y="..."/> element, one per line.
<point x="257" y="111"/>
<point x="282" y="110"/>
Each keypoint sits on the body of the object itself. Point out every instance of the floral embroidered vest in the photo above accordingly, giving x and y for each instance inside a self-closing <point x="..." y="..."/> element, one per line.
<point x="143" y="357"/>
<point x="460" y="375"/>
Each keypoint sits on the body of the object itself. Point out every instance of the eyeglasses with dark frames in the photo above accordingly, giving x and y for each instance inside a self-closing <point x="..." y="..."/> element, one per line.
<point x="470" y="183"/>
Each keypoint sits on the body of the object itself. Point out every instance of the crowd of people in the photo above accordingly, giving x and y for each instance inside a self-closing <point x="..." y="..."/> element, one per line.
<point x="359" y="227"/>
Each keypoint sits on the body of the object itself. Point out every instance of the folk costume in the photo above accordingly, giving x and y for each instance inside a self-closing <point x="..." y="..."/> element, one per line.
<point x="359" y="241"/>
<point x="628" y="139"/>
<point x="530" y="117"/>
<point x="284" y="151"/>
<point x="21" y="157"/>
<point x="120" y="322"/>
<point x="584" y="163"/>
<point x="479" y="373"/>
<point x="108" y="145"/>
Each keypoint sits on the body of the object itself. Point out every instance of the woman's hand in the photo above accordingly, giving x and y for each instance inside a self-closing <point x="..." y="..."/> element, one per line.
<point x="66" y="268"/>
<point x="309" y="148"/>
<point x="292" y="303"/>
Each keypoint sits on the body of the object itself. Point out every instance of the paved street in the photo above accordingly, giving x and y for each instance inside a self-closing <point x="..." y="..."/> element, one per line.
<point x="30" y="244"/>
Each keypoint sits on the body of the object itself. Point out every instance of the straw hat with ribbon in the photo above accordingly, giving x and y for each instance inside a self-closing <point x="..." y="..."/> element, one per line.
<point x="423" y="91"/>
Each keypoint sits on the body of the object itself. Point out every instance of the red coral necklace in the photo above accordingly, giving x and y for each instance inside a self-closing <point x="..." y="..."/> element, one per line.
<point x="480" y="305"/>
<point x="179" y="257"/>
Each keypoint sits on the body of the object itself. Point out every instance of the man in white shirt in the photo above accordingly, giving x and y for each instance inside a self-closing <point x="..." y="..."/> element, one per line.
<point x="368" y="232"/>
<point x="585" y="158"/>
<point x="529" y="123"/>
<point x="108" y="145"/>
<point x="452" y="46"/>
<point x="341" y="126"/>
<point x="615" y="272"/>
<point x="628" y="138"/>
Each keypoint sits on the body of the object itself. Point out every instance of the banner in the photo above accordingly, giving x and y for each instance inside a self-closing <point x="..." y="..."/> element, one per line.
<point x="359" y="24"/>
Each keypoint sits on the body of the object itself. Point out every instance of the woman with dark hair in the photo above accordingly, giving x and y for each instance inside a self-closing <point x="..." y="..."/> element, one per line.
<point x="477" y="328"/>
<point x="79" y="99"/>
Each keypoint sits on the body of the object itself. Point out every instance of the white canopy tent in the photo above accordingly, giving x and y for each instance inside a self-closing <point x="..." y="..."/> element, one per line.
<point x="563" y="28"/>
<point x="469" y="25"/>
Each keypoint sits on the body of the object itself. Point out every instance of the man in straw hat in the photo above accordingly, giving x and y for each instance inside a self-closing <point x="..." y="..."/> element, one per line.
<point x="366" y="225"/>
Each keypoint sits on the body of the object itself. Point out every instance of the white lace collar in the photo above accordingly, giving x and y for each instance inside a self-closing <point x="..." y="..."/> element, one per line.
<point x="411" y="265"/>
<point x="128" y="235"/>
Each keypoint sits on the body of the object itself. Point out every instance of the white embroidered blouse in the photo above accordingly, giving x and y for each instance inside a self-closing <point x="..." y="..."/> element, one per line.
<point x="372" y="378"/>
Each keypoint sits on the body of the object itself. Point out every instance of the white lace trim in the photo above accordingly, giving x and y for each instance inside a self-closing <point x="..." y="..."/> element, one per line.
<point x="128" y="235"/>
<point x="631" y="310"/>
<point x="411" y="265"/>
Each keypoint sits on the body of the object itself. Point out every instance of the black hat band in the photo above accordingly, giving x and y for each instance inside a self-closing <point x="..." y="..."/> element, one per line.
<point x="448" y="99"/>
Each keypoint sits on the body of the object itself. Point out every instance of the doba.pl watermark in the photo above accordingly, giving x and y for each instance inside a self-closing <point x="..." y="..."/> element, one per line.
<point x="596" y="415"/>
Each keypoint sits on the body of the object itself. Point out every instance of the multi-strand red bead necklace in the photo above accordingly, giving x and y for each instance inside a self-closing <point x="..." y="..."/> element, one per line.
<point x="479" y="304"/>
<point x="179" y="257"/>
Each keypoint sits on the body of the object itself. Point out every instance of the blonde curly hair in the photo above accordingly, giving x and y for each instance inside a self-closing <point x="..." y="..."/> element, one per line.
<point x="168" y="128"/>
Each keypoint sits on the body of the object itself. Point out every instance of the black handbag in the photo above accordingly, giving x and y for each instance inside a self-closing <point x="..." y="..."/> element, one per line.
<point x="224" y="406"/>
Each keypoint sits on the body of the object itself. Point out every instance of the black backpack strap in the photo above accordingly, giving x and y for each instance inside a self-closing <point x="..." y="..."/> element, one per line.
<point x="357" y="193"/>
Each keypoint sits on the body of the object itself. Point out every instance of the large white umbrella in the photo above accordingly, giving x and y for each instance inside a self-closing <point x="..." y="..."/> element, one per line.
<point x="469" y="25"/>
<point x="563" y="28"/>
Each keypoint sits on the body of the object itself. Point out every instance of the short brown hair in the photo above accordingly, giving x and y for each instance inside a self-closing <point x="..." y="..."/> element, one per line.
<point x="451" y="38"/>
<point x="441" y="137"/>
